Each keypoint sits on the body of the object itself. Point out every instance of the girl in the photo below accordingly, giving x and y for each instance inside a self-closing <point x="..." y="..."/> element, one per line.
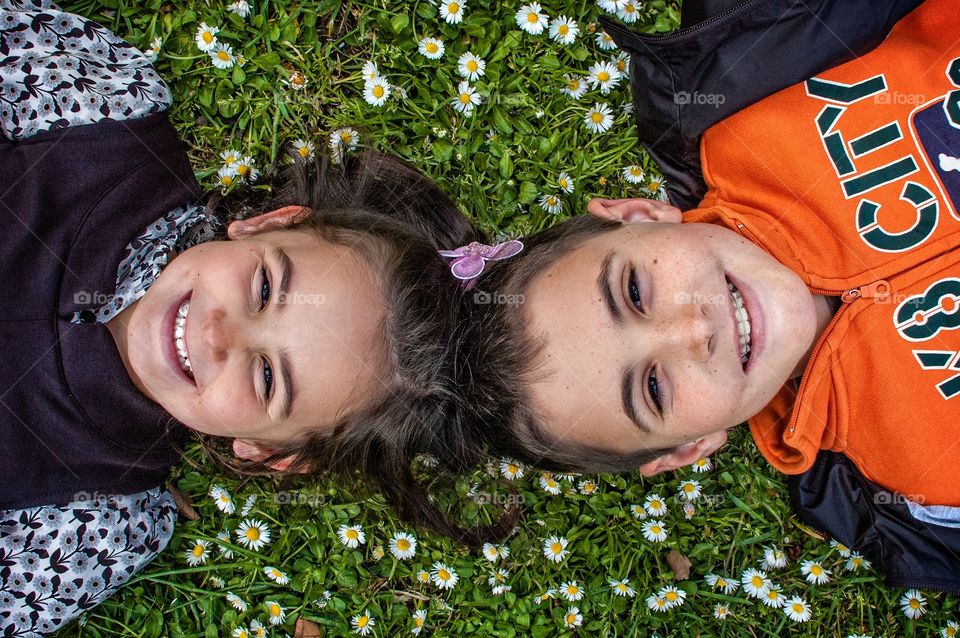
<point x="300" y="328"/>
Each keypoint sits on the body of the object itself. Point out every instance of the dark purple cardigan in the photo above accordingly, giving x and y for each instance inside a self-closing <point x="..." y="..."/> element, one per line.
<point x="71" y="420"/>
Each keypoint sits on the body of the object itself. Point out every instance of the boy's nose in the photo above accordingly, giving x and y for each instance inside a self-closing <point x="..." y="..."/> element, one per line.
<point x="218" y="334"/>
<point x="689" y="331"/>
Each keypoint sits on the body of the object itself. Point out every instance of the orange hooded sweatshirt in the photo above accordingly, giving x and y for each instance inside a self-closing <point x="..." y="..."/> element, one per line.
<point x="852" y="180"/>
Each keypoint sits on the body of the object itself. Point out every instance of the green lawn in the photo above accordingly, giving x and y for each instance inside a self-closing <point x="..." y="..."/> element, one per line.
<point x="499" y="161"/>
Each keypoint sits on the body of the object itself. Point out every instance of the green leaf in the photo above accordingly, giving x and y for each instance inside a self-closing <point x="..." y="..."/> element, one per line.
<point x="528" y="193"/>
<point x="399" y="22"/>
<point x="238" y="75"/>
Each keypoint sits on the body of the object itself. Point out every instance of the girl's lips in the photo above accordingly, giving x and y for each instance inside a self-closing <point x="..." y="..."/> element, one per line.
<point x="169" y="349"/>
<point x="751" y="304"/>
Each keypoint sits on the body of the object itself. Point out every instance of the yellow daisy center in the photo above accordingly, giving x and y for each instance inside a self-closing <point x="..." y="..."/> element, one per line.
<point x="207" y="37"/>
<point x="571" y="619"/>
<point x="621" y="65"/>
<point x="573" y="85"/>
<point x="773" y="594"/>
<point x="418" y="621"/>
<point x="621" y="587"/>
<point x="596" y="118"/>
<point x="304" y="151"/>
<point x="403" y="544"/>
<point x="721" y="582"/>
<point x="797" y="608"/>
<point x="223" y="55"/>
<point x="443" y="574"/>
<point x="629" y="8"/>
<point x="914" y="603"/>
<point x="378" y="91"/>
<point x="756" y="581"/>
<point x="687" y="488"/>
<point x="513" y="469"/>
<point x="198" y="550"/>
<point x="242" y="170"/>
<point x="816" y="570"/>
<point x="655" y="529"/>
<point x="453" y="7"/>
<point x="556" y="548"/>
<point x="636" y="172"/>
<point x="563" y="183"/>
<point x="603" y="76"/>
<point x="352" y="534"/>
<point x="472" y="66"/>
<point x="274" y="610"/>
<point x="424" y="577"/>
<point x="951" y="631"/>
<point x="226" y="180"/>
<point x="432" y="47"/>
<point x="464" y="98"/>
<point x="671" y="596"/>
<point x="563" y="29"/>
<point x="346" y="137"/>
<point x="532" y="17"/>
<point x="571" y="590"/>
<point x="252" y="533"/>
<point x="363" y="621"/>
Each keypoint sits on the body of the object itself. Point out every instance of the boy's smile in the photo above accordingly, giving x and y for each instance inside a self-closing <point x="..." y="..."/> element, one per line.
<point x="644" y="338"/>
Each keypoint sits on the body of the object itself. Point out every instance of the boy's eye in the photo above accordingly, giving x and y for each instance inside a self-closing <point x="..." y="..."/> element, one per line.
<point x="633" y="290"/>
<point x="267" y="379"/>
<point x="654" y="386"/>
<point x="264" y="289"/>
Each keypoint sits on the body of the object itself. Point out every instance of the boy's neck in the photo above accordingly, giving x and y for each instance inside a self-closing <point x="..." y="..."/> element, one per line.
<point x="826" y="307"/>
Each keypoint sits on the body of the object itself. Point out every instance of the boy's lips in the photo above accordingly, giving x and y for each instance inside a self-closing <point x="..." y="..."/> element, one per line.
<point x="169" y="348"/>
<point x="751" y="303"/>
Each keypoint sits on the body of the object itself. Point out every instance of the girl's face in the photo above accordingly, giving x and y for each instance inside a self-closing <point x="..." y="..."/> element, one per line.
<point x="282" y="334"/>
<point x="641" y="346"/>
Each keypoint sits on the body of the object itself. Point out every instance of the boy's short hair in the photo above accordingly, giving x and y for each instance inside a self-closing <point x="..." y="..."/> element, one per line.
<point x="504" y="357"/>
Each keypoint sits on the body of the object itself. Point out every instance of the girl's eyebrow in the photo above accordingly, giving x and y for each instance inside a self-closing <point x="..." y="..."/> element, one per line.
<point x="603" y="285"/>
<point x="281" y="257"/>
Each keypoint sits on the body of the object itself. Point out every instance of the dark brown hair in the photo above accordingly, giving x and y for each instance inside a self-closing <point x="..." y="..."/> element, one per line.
<point x="378" y="203"/>
<point x="504" y="357"/>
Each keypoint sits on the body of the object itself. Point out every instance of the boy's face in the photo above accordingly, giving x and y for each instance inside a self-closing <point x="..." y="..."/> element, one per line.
<point x="644" y="312"/>
<point x="318" y="344"/>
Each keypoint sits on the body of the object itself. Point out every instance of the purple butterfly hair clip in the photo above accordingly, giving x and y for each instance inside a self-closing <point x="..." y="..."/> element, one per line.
<point x="470" y="260"/>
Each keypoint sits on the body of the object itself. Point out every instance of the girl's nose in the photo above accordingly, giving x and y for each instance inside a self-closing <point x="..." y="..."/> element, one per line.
<point x="218" y="335"/>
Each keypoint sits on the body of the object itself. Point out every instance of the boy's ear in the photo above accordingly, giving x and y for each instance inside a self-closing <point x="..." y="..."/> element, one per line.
<point x="685" y="454"/>
<point x="251" y="451"/>
<point x="274" y="220"/>
<point x="634" y="210"/>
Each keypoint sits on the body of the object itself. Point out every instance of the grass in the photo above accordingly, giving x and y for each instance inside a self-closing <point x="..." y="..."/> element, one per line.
<point x="498" y="162"/>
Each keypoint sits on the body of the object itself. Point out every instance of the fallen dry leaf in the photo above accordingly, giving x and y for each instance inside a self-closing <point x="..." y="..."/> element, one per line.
<point x="679" y="565"/>
<point x="307" y="629"/>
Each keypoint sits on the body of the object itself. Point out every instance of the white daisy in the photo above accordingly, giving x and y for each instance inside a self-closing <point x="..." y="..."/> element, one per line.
<point x="206" y="37"/>
<point x="773" y="597"/>
<point x="621" y="62"/>
<point x="565" y="182"/>
<point x="723" y="584"/>
<point x="604" y="76"/>
<point x="467" y="98"/>
<point x="605" y="42"/>
<point x="702" y="465"/>
<point x="633" y="174"/>
<point x="257" y="629"/>
<point x="248" y="505"/>
<point x="575" y="87"/>
<point x="246" y="170"/>
<point x="913" y="604"/>
<point x="610" y="6"/>
<point x="403" y="545"/>
<point x="423" y="577"/>
<point x="370" y="71"/>
<point x="656" y="603"/>
<point x="755" y="583"/>
<point x="297" y="81"/>
<point x="721" y="611"/>
<point x="951" y="630"/>
<point x="599" y="118"/>
<point x="241" y="632"/>
<point x="275" y="611"/>
<point x="672" y="595"/>
<point x="240" y="7"/>
<point x="629" y="11"/>
<point x="419" y="618"/>
<point x="221" y="497"/>
<point x="253" y="534"/>
<point x="226" y="176"/>
<point x="490" y="552"/>
<point x="325" y="598"/>
<point x="225" y="551"/>
<point x="654" y="531"/>
<point x="551" y="204"/>
<point x="773" y="558"/>
<point x="564" y="30"/>
<point x="550" y="594"/>
<point x="222" y="56"/>
<point x="498" y="582"/>
<point x="855" y="562"/>
<point x="555" y="548"/>
<point x="638" y="512"/>
<point x="277" y="576"/>
<point x="657" y="187"/>
<point x="218" y="582"/>
<point x="198" y="554"/>
<point x="154" y="50"/>
<point x="470" y="66"/>
<point x="376" y="91"/>
<point x="443" y="576"/>
<point x="797" y="609"/>
<point x="342" y="141"/>
<point x="431" y="48"/>
<point x="548" y="483"/>
<point x="586" y="487"/>
<point x="571" y="591"/>
<point x="452" y="10"/>
<point x="622" y="588"/>
<point x="655" y="505"/>
<point x="510" y="469"/>
<point x="573" y="618"/>
<point x="362" y="623"/>
<point x="689" y="510"/>
<point x="351" y="535"/>
<point x="238" y="603"/>
<point x="530" y="19"/>
<point x="303" y="149"/>
<point x="842" y="549"/>
<point x="815" y="572"/>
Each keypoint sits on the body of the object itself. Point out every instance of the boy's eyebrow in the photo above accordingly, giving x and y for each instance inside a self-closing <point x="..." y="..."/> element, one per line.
<point x="603" y="284"/>
<point x="286" y="277"/>
<point x="627" y="388"/>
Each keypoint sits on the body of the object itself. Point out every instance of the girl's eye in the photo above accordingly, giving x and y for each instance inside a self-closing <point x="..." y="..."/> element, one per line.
<point x="654" y="386"/>
<point x="267" y="379"/>
<point x="633" y="289"/>
<point x="264" y="289"/>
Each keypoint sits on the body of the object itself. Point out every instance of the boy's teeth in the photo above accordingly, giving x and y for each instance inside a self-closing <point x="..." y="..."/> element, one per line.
<point x="743" y="322"/>
<point x="179" y="324"/>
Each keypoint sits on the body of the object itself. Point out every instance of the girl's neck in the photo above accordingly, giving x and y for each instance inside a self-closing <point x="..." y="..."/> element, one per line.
<point x="118" y="329"/>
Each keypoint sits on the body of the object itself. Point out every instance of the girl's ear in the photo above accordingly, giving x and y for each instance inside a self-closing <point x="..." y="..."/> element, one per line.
<point x="251" y="451"/>
<point x="274" y="220"/>
<point x="634" y="210"/>
<point x="686" y="454"/>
